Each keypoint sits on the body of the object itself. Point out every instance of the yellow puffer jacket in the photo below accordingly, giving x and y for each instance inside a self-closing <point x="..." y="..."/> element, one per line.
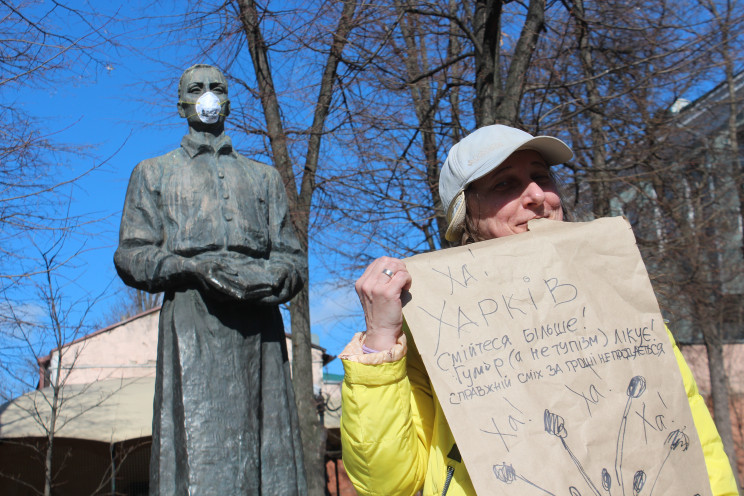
<point x="396" y="440"/>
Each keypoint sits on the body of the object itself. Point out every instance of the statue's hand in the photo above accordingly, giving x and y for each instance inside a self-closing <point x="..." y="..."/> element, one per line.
<point x="218" y="276"/>
<point x="244" y="282"/>
<point x="257" y="282"/>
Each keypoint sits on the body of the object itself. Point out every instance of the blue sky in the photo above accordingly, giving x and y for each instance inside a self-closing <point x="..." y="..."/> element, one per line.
<point x="118" y="108"/>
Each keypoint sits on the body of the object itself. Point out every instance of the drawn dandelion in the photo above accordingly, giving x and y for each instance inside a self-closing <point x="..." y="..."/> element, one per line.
<point x="676" y="441"/>
<point x="606" y="480"/>
<point x="555" y="426"/>
<point x="639" y="479"/>
<point x="506" y="473"/>
<point x="636" y="387"/>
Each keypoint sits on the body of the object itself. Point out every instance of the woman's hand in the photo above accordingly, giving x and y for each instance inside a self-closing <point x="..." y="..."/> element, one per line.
<point x="379" y="291"/>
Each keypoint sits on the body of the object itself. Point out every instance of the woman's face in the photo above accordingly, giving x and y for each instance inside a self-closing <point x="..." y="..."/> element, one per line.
<point x="517" y="191"/>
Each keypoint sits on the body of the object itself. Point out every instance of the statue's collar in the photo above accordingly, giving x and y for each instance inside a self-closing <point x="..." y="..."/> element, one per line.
<point x="194" y="144"/>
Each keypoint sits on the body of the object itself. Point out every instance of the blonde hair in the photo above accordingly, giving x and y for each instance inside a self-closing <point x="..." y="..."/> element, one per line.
<point x="470" y="232"/>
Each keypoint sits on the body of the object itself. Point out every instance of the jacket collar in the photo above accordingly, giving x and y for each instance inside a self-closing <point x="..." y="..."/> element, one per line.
<point x="198" y="143"/>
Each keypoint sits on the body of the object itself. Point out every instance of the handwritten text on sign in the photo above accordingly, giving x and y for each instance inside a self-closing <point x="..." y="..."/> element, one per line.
<point x="550" y="360"/>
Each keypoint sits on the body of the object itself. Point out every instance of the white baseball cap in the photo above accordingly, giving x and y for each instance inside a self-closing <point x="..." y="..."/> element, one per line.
<point x="479" y="153"/>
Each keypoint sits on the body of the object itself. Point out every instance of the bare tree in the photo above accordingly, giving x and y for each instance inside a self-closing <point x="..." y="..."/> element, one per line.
<point x="35" y="50"/>
<point x="727" y="24"/>
<point x="727" y="21"/>
<point x="665" y="172"/>
<point x="699" y="281"/>
<point x="444" y="68"/>
<point x="29" y="332"/>
<point x="313" y="433"/>
<point x="38" y="49"/>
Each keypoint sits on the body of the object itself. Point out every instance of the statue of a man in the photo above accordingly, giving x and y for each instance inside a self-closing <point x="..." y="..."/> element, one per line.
<point x="210" y="229"/>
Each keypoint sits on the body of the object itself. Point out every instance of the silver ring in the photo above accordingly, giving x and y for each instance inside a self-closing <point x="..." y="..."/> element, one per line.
<point x="388" y="273"/>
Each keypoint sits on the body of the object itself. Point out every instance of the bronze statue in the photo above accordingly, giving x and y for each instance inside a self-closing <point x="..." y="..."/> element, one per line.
<point x="210" y="228"/>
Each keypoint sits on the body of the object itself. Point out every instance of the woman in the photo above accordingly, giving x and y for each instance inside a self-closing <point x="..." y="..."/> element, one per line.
<point x="395" y="437"/>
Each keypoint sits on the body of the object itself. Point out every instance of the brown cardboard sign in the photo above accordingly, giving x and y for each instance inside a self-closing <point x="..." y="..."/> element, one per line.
<point x="551" y="361"/>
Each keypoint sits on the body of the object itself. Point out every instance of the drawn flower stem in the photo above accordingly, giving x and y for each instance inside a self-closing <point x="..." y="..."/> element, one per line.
<point x="636" y="387"/>
<point x="581" y="469"/>
<point x="676" y="440"/>
<point x="506" y="473"/>
<point x="554" y="425"/>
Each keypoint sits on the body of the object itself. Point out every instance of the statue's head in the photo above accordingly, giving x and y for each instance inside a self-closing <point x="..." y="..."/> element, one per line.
<point x="202" y="97"/>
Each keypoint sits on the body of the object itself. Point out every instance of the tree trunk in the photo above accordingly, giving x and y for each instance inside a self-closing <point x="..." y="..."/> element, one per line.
<point x="507" y="108"/>
<point x="456" y="72"/>
<point x="598" y="182"/>
<point x="48" y="466"/>
<point x="425" y="104"/>
<point x="720" y="393"/>
<point x="733" y="139"/>
<point x="498" y="101"/>
<point x="51" y="428"/>
<point x="299" y="307"/>
<point x="487" y="31"/>
<point x="56" y="401"/>
<point x="312" y="432"/>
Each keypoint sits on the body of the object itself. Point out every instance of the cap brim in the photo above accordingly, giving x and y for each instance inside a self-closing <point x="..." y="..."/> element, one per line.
<point x="553" y="150"/>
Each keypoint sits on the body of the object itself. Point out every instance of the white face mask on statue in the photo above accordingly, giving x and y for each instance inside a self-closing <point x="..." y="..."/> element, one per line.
<point x="208" y="108"/>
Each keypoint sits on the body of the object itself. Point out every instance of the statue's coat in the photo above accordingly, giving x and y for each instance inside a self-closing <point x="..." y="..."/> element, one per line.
<point x="225" y="420"/>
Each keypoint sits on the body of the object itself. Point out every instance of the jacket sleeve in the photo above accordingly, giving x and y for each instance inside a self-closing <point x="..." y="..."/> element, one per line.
<point x="722" y="482"/>
<point x="386" y="423"/>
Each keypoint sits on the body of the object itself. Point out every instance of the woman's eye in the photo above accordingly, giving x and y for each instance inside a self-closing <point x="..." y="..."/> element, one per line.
<point x="543" y="179"/>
